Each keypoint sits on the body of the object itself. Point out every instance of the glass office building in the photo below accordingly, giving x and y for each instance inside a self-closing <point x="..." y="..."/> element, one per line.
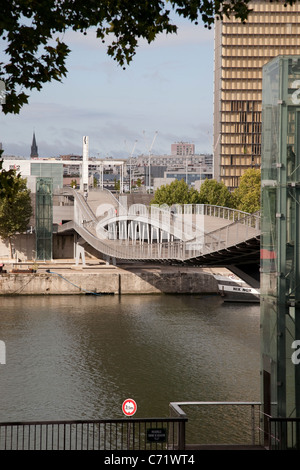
<point x="49" y="169"/>
<point x="280" y="248"/>
<point x="241" y="50"/>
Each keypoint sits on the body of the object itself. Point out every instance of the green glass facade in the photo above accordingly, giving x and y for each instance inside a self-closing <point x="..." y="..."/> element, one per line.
<point x="280" y="250"/>
<point x="48" y="169"/>
<point x="44" y="218"/>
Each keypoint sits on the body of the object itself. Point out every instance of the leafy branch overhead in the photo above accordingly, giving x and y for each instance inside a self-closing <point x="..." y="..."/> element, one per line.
<point x="32" y="33"/>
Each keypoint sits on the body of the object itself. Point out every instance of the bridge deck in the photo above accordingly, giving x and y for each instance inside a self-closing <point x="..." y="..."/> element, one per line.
<point x="205" y="238"/>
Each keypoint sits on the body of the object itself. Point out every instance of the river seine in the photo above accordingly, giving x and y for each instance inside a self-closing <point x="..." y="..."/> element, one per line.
<point x="80" y="357"/>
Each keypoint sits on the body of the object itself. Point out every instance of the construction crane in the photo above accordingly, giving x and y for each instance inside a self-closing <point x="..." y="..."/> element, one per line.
<point x="150" y="148"/>
<point x="131" y="165"/>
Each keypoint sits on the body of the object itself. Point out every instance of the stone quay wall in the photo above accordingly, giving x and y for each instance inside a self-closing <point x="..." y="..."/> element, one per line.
<point x="118" y="281"/>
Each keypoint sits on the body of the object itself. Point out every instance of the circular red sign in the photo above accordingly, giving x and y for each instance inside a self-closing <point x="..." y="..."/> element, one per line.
<point x="129" y="407"/>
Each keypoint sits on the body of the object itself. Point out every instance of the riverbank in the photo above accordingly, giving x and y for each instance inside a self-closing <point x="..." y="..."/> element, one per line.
<point x="63" y="277"/>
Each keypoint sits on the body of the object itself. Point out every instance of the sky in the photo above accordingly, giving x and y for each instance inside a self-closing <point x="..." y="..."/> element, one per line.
<point x="164" y="96"/>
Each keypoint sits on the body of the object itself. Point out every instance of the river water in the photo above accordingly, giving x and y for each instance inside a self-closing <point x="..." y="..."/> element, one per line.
<point x="80" y="357"/>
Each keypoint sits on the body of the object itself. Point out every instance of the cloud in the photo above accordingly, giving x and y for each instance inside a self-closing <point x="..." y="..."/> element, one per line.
<point x="39" y="112"/>
<point x="167" y="88"/>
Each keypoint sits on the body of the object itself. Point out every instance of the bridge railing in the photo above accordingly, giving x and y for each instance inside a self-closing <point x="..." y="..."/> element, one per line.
<point x="160" y="212"/>
<point x="135" y="250"/>
<point x="224" y="212"/>
<point x="203" y="209"/>
<point x="174" y="250"/>
<point x="238" y="231"/>
<point x="191" y="214"/>
<point x="228" y="236"/>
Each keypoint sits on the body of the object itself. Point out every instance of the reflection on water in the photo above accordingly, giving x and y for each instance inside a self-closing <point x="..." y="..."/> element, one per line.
<point x="76" y="357"/>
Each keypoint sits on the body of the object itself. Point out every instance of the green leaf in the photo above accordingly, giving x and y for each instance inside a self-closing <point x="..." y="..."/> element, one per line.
<point x="29" y="27"/>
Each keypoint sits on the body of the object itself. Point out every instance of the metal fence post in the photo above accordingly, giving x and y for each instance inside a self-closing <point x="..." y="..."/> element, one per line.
<point x="181" y="435"/>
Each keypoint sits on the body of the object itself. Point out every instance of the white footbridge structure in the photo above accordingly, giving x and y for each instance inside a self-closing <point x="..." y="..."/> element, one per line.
<point x="195" y="234"/>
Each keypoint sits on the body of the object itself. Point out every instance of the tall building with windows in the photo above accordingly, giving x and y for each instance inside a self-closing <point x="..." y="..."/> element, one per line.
<point x="241" y="50"/>
<point x="182" y="148"/>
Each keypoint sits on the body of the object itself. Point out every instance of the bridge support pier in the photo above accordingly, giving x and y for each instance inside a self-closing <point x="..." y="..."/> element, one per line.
<point x="79" y="252"/>
<point x="110" y="260"/>
<point x="249" y="273"/>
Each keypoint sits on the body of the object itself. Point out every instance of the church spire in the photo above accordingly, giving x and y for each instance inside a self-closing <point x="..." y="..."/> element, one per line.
<point x="34" y="148"/>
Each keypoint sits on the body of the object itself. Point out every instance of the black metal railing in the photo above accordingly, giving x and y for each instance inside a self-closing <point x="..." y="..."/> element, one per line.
<point x="284" y="433"/>
<point x="126" y="434"/>
<point x="222" y="423"/>
<point x="122" y="434"/>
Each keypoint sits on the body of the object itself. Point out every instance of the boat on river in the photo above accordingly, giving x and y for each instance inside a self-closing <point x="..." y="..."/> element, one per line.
<point x="233" y="289"/>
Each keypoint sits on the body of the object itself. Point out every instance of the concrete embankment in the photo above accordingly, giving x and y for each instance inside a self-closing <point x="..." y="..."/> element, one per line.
<point x="65" y="280"/>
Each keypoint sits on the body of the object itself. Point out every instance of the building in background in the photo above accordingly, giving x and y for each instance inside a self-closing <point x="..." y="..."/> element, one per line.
<point x="182" y="148"/>
<point x="66" y="170"/>
<point x="41" y="168"/>
<point x="241" y="50"/>
<point x="167" y="168"/>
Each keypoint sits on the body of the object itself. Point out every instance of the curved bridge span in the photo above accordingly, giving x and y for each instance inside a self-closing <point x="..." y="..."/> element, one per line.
<point x="182" y="234"/>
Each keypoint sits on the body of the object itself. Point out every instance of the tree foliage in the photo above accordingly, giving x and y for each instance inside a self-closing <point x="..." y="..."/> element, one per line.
<point x="214" y="193"/>
<point x="245" y="198"/>
<point x="248" y="195"/>
<point x="8" y="187"/>
<point x="177" y="192"/>
<point x="33" y="31"/>
<point x="15" y="208"/>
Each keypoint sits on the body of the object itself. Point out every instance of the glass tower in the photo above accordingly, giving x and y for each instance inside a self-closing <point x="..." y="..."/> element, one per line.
<point x="280" y="237"/>
<point x="44" y="218"/>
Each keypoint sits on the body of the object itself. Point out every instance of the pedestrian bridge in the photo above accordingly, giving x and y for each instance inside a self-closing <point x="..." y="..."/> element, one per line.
<point x="182" y="234"/>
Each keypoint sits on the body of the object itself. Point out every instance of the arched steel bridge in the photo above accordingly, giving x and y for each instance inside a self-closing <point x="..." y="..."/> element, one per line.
<point x="202" y="235"/>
